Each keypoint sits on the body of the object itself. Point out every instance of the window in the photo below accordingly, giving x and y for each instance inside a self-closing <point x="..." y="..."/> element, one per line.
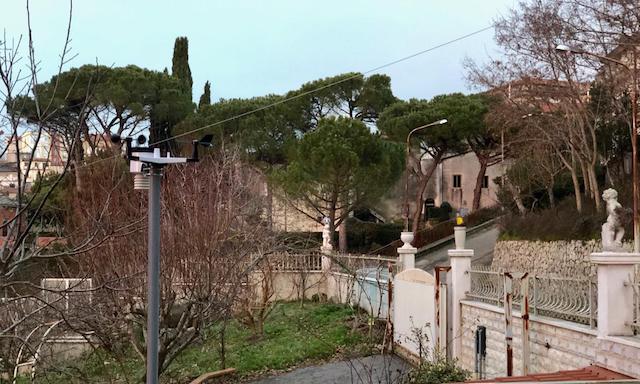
<point x="457" y="181"/>
<point x="485" y="182"/>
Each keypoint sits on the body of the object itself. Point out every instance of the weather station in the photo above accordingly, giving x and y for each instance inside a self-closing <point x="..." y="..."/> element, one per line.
<point x="146" y="165"/>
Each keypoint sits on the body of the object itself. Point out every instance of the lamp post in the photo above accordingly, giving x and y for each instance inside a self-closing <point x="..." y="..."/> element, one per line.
<point x="406" y="180"/>
<point x="634" y="130"/>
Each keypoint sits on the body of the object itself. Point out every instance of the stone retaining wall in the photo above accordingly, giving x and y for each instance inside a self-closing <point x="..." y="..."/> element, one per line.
<point x="565" y="258"/>
<point x="554" y="344"/>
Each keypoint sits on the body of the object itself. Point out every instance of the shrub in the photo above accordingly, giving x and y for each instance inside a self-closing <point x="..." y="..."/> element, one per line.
<point x="365" y="236"/>
<point x="440" y="370"/>
<point x="561" y="223"/>
<point x="441" y="213"/>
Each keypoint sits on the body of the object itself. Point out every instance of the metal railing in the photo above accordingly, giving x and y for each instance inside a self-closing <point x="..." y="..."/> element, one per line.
<point x="347" y="263"/>
<point x="557" y="297"/>
<point x="344" y="263"/>
<point x="296" y="261"/>
<point x="486" y="286"/>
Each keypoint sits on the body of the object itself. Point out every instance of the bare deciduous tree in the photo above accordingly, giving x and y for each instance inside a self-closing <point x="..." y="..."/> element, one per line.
<point x="539" y="80"/>
<point x="212" y="236"/>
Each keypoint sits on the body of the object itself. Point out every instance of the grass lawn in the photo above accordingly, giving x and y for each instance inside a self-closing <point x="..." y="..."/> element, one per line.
<point x="292" y="336"/>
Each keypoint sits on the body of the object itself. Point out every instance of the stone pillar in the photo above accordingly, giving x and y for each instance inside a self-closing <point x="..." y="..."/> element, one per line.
<point x="326" y="260"/>
<point x="615" y="294"/>
<point x="460" y="259"/>
<point x="327" y="247"/>
<point x="406" y="253"/>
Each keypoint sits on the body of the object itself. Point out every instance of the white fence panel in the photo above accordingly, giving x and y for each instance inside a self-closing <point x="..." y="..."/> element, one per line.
<point x="414" y="312"/>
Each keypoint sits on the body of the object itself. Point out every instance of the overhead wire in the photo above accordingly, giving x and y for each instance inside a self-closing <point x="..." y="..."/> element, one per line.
<point x="285" y="100"/>
<point x="296" y="96"/>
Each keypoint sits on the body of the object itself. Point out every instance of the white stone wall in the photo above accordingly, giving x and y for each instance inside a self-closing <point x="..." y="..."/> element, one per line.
<point x="289" y="285"/>
<point x="554" y="344"/>
<point x="414" y="312"/>
<point x="335" y="286"/>
<point x="566" y="258"/>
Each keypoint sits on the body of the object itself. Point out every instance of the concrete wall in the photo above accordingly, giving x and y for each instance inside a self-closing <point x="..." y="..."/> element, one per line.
<point x="414" y="312"/>
<point x="565" y="258"/>
<point x="554" y="344"/>
<point x="334" y="286"/>
<point x="289" y="285"/>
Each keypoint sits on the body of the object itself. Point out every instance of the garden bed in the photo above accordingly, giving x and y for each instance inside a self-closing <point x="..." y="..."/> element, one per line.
<point x="294" y="336"/>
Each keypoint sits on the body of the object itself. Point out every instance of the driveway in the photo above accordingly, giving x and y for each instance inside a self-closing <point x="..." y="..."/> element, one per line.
<point x="482" y="242"/>
<point x="377" y="369"/>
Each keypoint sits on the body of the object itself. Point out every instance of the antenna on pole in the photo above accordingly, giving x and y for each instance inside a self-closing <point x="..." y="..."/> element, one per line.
<point x="146" y="164"/>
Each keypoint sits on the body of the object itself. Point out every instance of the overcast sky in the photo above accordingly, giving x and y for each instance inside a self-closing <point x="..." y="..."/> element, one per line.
<point x="252" y="48"/>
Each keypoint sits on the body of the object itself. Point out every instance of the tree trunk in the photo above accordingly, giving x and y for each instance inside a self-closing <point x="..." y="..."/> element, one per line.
<point x="591" y="170"/>
<point x="77" y="176"/>
<point x="477" y="191"/>
<point x="424" y="180"/>
<point x="222" y="348"/>
<point x="332" y="224"/>
<point x="78" y="155"/>
<point x="576" y="189"/>
<point x="586" y="181"/>
<point x="516" y="198"/>
<point x="552" y="201"/>
<point x="269" y="206"/>
<point x="342" y="236"/>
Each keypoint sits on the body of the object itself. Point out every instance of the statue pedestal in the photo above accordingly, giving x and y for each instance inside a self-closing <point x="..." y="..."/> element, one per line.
<point x="406" y="253"/>
<point x="615" y="294"/>
<point x="460" y="260"/>
<point x="326" y="257"/>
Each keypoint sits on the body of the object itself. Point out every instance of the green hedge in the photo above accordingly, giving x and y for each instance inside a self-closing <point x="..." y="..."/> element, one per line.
<point x="365" y="236"/>
<point x="561" y="223"/>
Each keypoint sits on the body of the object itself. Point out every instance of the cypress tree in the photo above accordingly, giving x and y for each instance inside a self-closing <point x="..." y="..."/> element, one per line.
<point x="205" y="98"/>
<point x="180" y="68"/>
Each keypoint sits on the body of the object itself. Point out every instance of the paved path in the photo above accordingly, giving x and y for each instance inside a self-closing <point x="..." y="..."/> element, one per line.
<point x="481" y="241"/>
<point x="372" y="369"/>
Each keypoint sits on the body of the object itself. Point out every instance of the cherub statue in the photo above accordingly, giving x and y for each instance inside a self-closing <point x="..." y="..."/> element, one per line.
<point x="612" y="229"/>
<point x="326" y="234"/>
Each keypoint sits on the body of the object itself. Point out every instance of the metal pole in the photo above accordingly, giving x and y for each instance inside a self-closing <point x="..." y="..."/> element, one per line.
<point x="406" y="180"/>
<point x="535" y="295"/>
<point x="508" y="334"/>
<point x="524" y="309"/>
<point x="153" y="276"/>
<point x="634" y="153"/>
<point x="592" y="310"/>
<point x="502" y="156"/>
<point x="406" y="184"/>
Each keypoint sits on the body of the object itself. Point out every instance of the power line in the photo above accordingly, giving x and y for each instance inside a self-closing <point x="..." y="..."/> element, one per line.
<point x="324" y="86"/>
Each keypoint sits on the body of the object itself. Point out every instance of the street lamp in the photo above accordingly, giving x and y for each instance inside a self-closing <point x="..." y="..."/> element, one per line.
<point x="406" y="183"/>
<point x="634" y="130"/>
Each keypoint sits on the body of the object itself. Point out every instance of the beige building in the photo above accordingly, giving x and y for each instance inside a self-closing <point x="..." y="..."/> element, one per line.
<point x="455" y="179"/>
<point x="453" y="182"/>
<point x="37" y="154"/>
<point x="285" y="217"/>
